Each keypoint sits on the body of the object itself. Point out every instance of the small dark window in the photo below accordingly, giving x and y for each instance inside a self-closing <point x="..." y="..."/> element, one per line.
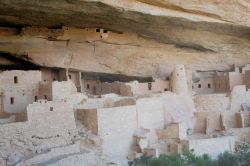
<point x="105" y="31"/>
<point x="15" y="80"/>
<point x="199" y="86"/>
<point x="69" y="76"/>
<point x="44" y="80"/>
<point x="87" y="86"/>
<point x="36" y="98"/>
<point x="208" y="85"/>
<point x="54" y="79"/>
<point x="166" y="89"/>
<point x="45" y="97"/>
<point x="149" y="86"/>
<point x="192" y="86"/>
<point x="12" y="100"/>
<point x="51" y="108"/>
<point x="167" y="78"/>
<point x="97" y="30"/>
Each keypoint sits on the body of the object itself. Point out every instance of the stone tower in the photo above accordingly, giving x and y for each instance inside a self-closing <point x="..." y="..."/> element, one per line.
<point x="179" y="80"/>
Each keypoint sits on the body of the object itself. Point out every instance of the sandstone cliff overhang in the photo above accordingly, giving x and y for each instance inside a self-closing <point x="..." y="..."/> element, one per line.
<point x="164" y="20"/>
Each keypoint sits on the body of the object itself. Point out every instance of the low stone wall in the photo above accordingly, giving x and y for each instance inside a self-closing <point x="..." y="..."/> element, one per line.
<point x="148" y="88"/>
<point x="45" y="129"/>
<point x="150" y="112"/>
<point x="210" y="121"/>
<point x="106" y="102"/>
<point x="212" y="146"/>
<point x="242" y="134"/>
<point x="45" y="90"/>
<point x="202" y="124"/>
<point x="62" y="90"/>
<point x="116" y="128"/>
<point x="212" y="102"/>
<point x="88" y="117"/>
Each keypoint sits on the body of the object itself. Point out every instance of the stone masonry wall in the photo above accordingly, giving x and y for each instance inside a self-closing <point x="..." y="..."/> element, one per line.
<point x="45" y="129"/>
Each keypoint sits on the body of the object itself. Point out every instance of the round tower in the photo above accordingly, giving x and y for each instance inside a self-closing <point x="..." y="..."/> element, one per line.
<point x="179" y="80"/>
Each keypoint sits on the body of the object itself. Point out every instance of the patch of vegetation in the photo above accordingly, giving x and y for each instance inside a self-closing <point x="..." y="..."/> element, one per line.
<point x="241" y="157"/>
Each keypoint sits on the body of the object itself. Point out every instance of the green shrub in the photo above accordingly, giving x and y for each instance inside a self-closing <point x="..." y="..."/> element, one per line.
<point x="228" y="159"/>
<point x="243" y="154"/>
<point x="241" y="157"/>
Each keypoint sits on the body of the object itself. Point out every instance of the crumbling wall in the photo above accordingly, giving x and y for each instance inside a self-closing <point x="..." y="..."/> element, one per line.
<point x="89" y="118"/>
<point x="173" y="131"/>
<point x="75" y="77"/>
<point x="147" y="88"/>
<point x="113" y="87"/>
<point x="230" y="120"/>
<point x="45" y="128"/>
<point x="44" y="114"/>
<point x="242" y="134"/>
<point x="212" y="102"/>
<point x="207" y="121"/>
<point x="106" y="102"/>
<point x="62" y="90"/>
<point x="45" y="90"/>
<point x="238" y="96"/>
<point x="66" y="91"/>
<point x="13" y="117"/>
<point x="210" y="121"/>
<point x="125" y="90"/>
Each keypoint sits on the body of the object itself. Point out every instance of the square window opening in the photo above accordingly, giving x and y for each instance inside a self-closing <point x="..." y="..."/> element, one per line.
<point x="36" y="98"/>
<point x="149" y="86"/>
<point x="12" y="100"/>
<point x="15" y="79"/>
<point x="209" y="85"/>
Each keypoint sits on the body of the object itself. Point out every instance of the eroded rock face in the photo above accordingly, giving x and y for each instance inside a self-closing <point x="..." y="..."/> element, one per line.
<point x="207" y="35"/>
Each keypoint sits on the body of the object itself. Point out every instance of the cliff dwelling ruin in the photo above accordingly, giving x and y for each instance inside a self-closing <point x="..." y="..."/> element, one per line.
<point x="100" y="82"/>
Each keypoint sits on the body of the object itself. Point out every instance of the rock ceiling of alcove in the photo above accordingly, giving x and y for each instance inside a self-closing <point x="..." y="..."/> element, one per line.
<point x="163" y="21"/>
